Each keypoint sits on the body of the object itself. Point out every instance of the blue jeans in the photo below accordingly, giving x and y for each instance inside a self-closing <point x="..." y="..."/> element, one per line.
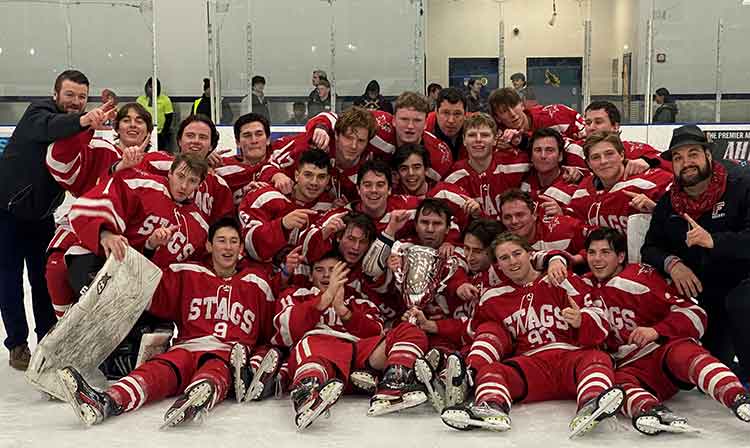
<point x="24" y="241"/>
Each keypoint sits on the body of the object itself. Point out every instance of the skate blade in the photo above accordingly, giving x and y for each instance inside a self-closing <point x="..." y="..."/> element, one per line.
<point x="365" y="382"/>
<point x="425" y="375"/>
<point x="408" y="400"/>
<point x="86" y="413"/>
<point x="607" y="406"/>
<point x="328" y="396"/>
<point x="461" y="420"/>
<point x="743" y="412"/>
<point x="269" y="365"/>
<point x="238" y="359"/>
<point x="196" y="397"/>
<point x="652" y="428"/>
<point x="453" y="393"/>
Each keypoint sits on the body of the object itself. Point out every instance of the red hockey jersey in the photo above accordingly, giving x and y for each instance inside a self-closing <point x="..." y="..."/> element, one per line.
<point x="81" y="161"/>
<point x="238" y="174"/>
<point x="559" y="117"/>
<point x="560" y="190"/>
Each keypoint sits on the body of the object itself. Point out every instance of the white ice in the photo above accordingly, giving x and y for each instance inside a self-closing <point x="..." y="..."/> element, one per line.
<point x="27" y="420"/>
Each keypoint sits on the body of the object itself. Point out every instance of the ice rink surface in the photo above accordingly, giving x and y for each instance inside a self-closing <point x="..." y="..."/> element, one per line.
<point x="27" y="420"/>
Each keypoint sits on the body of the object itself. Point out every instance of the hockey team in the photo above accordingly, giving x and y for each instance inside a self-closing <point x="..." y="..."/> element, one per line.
<point x="283" y="265"/>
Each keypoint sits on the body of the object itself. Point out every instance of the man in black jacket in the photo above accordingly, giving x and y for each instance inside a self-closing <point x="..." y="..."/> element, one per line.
<point x="700" y="237"/>
<point x="28" y="198"/>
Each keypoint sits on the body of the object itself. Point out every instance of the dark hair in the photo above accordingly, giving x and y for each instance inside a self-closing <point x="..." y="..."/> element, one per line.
<point x="355" y="117"/>
<point x="405" y="151"/>
<point x="471" y="83"/>
<point x="662" y="91"/>
<point x="508" y="237"/>
<point x="324" y="82"/>
<point x="206" y="83"/>
<point x="139" y="110"/>
<point x="518" y="77"/>
<point x="452" y="95"/>
<point x="314" y="156"/>
<point x="70" y="75"/>
<point x="434" y="205"/>
<point x="617" y="241"/>
<point x="225" y="221"/>
<point x="149" y="82"/>
<point x="363" y="222"/>
<point x="548" y="132"/>
<point x="503" y="99"/>
<point x="433" y="86"/>
<point x="412" y="100"/>
<point x="594" y="139"/>
<point x="196" y="165"/>
<point x="485" y="230"/>
<point x="201" y="119"/>
<point x="257" y="79"/>
<point x="612" y="112"/>
<point x="251" y="118"/>
<point x="333" y="253"/>
<point x="515" y="194"/>
<point x="377" y="166"/>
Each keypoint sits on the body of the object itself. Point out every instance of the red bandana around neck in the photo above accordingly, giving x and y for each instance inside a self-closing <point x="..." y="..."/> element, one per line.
<point x="695" y="207"/>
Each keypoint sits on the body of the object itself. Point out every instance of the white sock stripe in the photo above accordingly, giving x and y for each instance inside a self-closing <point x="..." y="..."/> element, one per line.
<point x="632" y="398"/>
<point x="481" y="354"/>
<point x="589" y="385"/>
<point x="479" y="345"/>
<point x="715" y="380"/>
<point x="593" y="375"/>
<point x="406" y="347"/>
<point x="495" y="392"/>
<point x="131" y="394"/>
<point x="138" y="390"/>
<point x="706" y="371"/>
<point x="304" y="368"/>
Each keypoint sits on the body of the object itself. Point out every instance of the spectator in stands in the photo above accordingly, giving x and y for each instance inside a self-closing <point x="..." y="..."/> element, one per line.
<point x="260" y="103"/>
<point x="474" y="101"/>
<point x="299" y="114"/>
<point x="109" y="96"/>
<point x="373" y="100"/>
<point x="203" y="104"/>
<point x="165" y="112"/>
<point x="698" y="238"/>
<point x="667" y="110"/>
<point x="432" y="93"/>
<point x="323" y="102"/>
<point x="523" y="89"/>
<point x="28" y="198"/>
<point x="317" y="75"/>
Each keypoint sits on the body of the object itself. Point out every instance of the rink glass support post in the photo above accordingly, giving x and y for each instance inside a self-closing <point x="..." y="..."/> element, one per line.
<point x="155" y="77"/>
<point x="332" y="52"/>
<point x="213" y="58"/>
<point x="647" y="100"/>
<point x="249" y="55"/>
<point x="719" y="33"/>
<point x="586" y="78"/>
<point x="68" y="35"/>
<point x="419" y="33"/>
<point x="501" y="44"/>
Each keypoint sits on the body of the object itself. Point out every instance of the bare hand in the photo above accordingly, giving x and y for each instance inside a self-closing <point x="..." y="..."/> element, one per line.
<point x="422" y="322"/>
<point x="572" y="314"/>
<point x="132" y="156"/>
<point x="336" y="281"/>
<point x="216" y="158"/>
<point x="509" y="138"/>
<point x="571" y="174"/>
<point x="640" y="201"/>
<point x="334" y="226"/>
<point x="467" y="292"/>
<point x="282" y="182"/>
<point x="642" y="336"/>
<point x="446" y="250"/>
<point x="339" y="202"/>
<point x="471" y="207"/>
<point x="161" y="236"/>
<point x="297" y="219"/>
<point x="557" y="271"/>
<point x="635" y="167"/>
<point x="320" y="139"/>
<point x="96" y="118"/>
<point x="394" y="262"/>
<point x="550" y="206"/>
<point x="117" y="245"/>
<point x="397" y="222"/>
<point x="697" y="235"/>
<point x="294" y="259"/>
<point x="685" y="280"/>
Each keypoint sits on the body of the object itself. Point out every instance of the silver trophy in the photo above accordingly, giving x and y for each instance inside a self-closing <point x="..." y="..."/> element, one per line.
<point x="421" y="275"/>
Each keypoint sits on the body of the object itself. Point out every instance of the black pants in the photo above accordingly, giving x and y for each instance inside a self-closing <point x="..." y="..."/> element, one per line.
<point x="727" y="334"/>
<point x="24" y="241"/>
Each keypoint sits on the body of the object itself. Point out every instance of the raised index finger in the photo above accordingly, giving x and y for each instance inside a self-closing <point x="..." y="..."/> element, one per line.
<point x="632" y="194"/>
<point x="690" y="221"/>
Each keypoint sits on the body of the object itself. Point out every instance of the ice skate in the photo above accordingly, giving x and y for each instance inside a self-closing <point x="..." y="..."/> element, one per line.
<point x="310" y="400"/>
<point x="90" y="405"/>
<point x="427" y="376"/>
<point x="241" y="370"/>
<point x="741" y="407"/>
<point x="397" y="391"/>
<point x="193" y="404"/>
<point x="262" y="384"/>
<point x="607" y="404"/>
<point x="661" y="419"/>
<point x="458" y="380"/>
<point x="486" y="415"/>
<point x="364" y="381"/>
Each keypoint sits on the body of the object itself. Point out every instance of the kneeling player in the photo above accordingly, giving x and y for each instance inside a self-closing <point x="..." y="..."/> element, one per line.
<point x="654" y="339"/>
<point x="554" y="334"/>
<point x="213" y="305"/>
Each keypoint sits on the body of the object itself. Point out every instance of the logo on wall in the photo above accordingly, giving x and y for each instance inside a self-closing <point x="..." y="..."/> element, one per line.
<point x="730" y="144"/>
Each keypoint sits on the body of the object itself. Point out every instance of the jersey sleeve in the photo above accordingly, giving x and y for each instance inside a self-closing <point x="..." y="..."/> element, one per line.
<point x="261" y="213"/>
<point x="165" y="303"/>
<point x="594" y="327"/>
<point x="296" y="315"/>
<point x="223" y="200"/>
<point x="685" y="317"/>
<point x="105" y="207"/>
<point x="80" y="161"/>
<point x="365" y="320"/>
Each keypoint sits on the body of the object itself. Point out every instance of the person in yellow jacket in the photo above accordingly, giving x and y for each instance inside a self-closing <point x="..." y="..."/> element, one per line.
<point x="165" y="112"/>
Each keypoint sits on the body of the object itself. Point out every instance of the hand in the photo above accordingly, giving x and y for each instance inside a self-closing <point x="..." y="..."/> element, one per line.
<point x="334" y="226"/>
<point x="697" y="235"/>
<point x="635" y="166"/>
<point x="422" y="322"/>
<point x="96" y="118"/>
<point x="550" y="206"/>
<point x="116" y="245"/>
<point x="161" y="236"/>
<point x="132" y="156"/>
<point x="336" y="281"/>
<point x="282" y="182"/>
<point x="471" y="207"/>
<point x="642" y="336"/>
<point x="397" y="222"/>
<point x="640" y="201"/>
<point x="320" y="139"/>
<point x="297" y="219"/>
<point x="216" y="158"/>
<point x="510" y="137"/>
<point x="339" y="202"/>
<point x="339" y="305"/>
<point x="254" y="185"/>
<point x="557" y="271"/>
<point x="685" y="280"/>
<point x="467" y="292"/>
<point x="394" y="262"/>
<point x="572" y="314"/>
<point x="446" y="250"/>
<point x="571" y="174"/>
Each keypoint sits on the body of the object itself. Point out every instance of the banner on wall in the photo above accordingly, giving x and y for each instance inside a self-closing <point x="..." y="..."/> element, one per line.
<point x="731" y="144"/>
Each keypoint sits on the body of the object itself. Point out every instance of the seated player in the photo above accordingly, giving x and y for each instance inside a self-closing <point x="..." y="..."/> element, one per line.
<point x="546" y="340"/>
<point x="654" y="339"/>
<point x="607" y="198"/>
<point x="331" y="331"/>
<point x="487" y="173"/>
<point x="214" y="305"/>
<point x="546" y="182"/>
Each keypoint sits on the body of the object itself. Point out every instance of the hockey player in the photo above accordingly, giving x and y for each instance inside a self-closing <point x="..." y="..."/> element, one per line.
<point x="654" y="339"/>
<point x="478" y="239"/>
<point x="333" y="330"/>
<point x="213" y="305"/>
<point x="546" y="339"/>
<point x="487" y="173"/>
<point x="546" y="182"/>
<point x="607" y="198"/>
<point x="272" y="221"/>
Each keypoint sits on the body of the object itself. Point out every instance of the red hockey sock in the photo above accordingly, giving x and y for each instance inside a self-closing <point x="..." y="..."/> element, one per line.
<point x="490" y="344"/>
<point x="217" y="371"/>
<point x="594" y="376"/>
<point x="637" y="399"/>
<point x="314" y="367"/>
<point x="498" y="383"/>
<point x="151" y="381"/>
<point x="404" y="344"/>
